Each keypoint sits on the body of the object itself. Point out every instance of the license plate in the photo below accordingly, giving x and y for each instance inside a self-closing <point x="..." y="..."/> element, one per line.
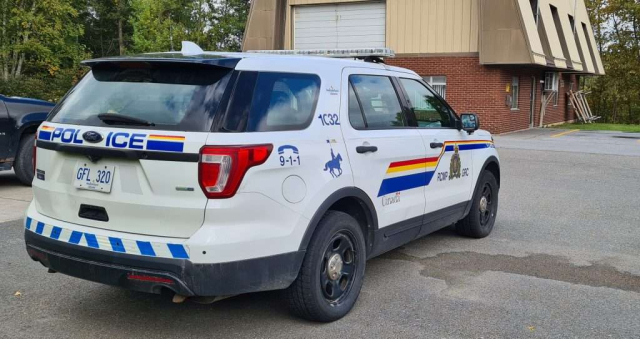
<point x="88" y="176"/>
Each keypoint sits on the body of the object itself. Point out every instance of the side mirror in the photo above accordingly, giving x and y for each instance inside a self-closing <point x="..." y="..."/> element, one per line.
<point x="470" y="122"/>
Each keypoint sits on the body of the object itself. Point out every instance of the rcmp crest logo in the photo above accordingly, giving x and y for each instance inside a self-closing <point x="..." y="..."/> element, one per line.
<point x="454" y="168"/>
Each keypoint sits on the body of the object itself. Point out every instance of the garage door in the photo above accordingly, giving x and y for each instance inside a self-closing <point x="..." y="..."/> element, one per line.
<point x="351" y="25"/>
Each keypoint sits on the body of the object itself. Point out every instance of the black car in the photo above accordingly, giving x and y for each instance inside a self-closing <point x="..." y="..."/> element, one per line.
<point x="19" y="120"/>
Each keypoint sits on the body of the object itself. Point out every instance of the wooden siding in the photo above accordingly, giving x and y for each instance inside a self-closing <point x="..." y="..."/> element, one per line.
<point x="261" y="29"/>
<point x="503" y="38"/>
<point x="546" y="19"/>
<point x="500" y="31"/>
<point x="581" y="16"/>
<point x="432" y="26"/>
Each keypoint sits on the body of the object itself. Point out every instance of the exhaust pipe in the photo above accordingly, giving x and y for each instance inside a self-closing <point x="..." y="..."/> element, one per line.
<point x="179" y="299"/>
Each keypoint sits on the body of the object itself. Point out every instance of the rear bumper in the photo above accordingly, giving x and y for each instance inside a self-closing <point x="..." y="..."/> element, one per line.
<point x="152" y="274"/>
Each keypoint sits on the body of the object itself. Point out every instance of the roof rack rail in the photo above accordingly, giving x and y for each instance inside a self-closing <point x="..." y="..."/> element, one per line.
<point x="367" y="54"/>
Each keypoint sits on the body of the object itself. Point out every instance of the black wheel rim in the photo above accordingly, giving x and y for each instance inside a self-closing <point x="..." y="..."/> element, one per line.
<point x="339" y="266"/>
<point x="486" y="204"/>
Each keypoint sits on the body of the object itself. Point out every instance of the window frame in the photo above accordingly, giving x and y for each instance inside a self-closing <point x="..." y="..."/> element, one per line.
<point x="452" y="114"/>
<point x="554" y="84"/>
<point x="438" y="84"/>
<point x="397" y="90"/>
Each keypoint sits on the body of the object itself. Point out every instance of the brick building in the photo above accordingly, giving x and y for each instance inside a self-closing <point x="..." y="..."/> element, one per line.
<point x="501" y="59"/>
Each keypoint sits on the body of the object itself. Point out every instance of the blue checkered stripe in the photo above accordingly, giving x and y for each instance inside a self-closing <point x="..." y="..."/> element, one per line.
<point x="113" y="244"/>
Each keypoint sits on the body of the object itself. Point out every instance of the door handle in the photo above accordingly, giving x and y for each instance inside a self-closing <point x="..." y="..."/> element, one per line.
<point x="366" y="149"/>
<point x="436" y="145"/>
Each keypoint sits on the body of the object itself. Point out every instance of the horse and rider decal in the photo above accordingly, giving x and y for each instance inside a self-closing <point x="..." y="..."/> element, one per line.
<point x="333" y="165"/>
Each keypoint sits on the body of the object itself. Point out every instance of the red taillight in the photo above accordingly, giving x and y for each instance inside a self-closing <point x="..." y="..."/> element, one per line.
<point x="222" y="168"/>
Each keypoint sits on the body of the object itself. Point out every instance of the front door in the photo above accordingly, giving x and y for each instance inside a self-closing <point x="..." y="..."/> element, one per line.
<point x="448" y="161"/>
<point x="384" y="152"/>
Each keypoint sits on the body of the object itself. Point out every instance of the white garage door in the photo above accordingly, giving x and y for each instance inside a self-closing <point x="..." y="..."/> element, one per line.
<point x="351" y="25"/>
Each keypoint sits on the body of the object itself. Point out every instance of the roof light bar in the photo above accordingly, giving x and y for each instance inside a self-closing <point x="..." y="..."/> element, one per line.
<point x="334" y="53"/>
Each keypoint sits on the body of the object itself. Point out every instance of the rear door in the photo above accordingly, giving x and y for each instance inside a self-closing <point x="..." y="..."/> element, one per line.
<point x="121" y="151"/>
<point x="386" y="155"/>
<point x="449" y="169"/>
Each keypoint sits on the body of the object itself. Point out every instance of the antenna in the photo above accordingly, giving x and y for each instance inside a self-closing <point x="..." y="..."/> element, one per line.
<point x="191" y="48"/>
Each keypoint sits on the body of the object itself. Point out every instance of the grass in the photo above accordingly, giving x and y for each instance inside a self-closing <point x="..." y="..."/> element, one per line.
<point x="601" y="127"/>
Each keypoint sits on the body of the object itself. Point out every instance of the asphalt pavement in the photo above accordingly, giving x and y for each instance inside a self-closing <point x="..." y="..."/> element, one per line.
<point x="562" y="262"/>
<point x="14" y="197"/>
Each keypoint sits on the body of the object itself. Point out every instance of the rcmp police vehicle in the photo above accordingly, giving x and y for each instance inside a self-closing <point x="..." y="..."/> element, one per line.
<point x="215" y="174"/>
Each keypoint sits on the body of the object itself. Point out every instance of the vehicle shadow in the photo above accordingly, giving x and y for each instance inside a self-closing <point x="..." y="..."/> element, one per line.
<point x="249" y="315"/>
<point x="11" y="188"/>
<point x="9" y="179"/>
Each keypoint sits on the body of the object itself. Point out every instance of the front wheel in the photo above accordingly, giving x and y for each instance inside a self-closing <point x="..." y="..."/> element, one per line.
<point x="332" y="272"/>
<point x="484" y="208"/>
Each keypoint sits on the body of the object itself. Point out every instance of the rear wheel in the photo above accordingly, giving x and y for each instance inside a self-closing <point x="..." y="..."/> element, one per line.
<point x="482" y="216"/>
<point x="23" y="165"/>
<point x="332" y="272"/>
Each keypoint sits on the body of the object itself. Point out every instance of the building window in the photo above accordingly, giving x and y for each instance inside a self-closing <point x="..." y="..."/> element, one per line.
<point x="515" y="92"/>
<point x="430" y="111"/>
<point x="438" y="83"/>
<point x="535" y="8"/>
<point x="551" y="81"/>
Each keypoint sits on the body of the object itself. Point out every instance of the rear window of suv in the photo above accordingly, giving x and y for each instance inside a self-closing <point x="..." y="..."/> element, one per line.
<point x="172" y="96"/>
<point x="269" y="101"/>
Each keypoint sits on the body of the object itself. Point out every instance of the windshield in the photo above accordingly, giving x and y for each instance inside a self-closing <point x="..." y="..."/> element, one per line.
<point x="168" y="96"/>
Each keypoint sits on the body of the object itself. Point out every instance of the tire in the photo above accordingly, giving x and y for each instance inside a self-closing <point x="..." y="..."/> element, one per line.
<point x="321" y="293"/>
<point x="479" y="222"/>
<point x="23" y="165"/>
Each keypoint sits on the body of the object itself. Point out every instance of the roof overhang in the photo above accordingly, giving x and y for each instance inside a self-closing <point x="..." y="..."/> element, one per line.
<point x="555" y="34"/>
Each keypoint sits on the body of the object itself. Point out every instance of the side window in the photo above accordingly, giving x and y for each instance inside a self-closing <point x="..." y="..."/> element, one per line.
<point x="380" y="104"/>
<point x="283" y="101"/>
<point x="355" y="113"/>
<point x="264" y="101"/>
<point x="429" y="110"/>
<point x="238" y="113"/>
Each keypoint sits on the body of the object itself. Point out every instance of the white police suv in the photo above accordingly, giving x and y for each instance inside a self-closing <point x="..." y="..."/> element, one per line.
<point x="215" y="174"/>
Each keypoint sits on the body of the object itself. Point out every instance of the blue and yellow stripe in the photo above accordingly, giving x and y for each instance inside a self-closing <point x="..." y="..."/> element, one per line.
<point x="167" y="143"/>
<point x="45" y="132"/>
<point x="426" y="165"/>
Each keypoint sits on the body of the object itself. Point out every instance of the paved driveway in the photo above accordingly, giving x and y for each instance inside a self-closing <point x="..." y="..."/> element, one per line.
<point x="14" y="197"/>
<point x="562" y="262"/>
<point x="594" y="142"/>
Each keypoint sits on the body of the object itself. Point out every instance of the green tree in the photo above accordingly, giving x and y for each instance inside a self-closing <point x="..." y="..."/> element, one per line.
<point x="616" y="96"/>
<point x="38" y="37"/>
<point x="227" y="24"/>
<point x="107" y="26"/>
<point x="160" y="25"/>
